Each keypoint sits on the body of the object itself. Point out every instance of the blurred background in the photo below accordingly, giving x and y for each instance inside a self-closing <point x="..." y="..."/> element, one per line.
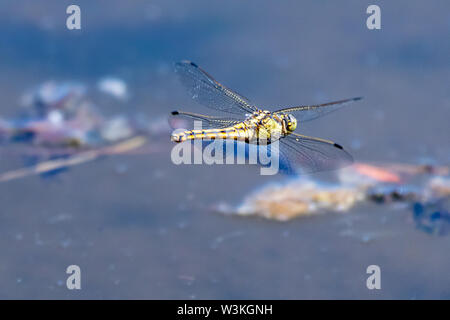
<point x="140" y="227"/>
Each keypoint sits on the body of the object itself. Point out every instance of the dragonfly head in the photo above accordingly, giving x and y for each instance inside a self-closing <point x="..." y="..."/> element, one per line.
<point x="178" y="135"/>
<point x="291" y="123"/>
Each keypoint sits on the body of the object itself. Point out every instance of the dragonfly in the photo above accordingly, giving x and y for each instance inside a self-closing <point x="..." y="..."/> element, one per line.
<point x="250" y="124"/>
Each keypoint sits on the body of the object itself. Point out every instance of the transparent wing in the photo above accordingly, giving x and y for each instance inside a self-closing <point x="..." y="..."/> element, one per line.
<point x="179" y="119"/>
<point x="307" y="113"/>
<point x="303" y="154"/>
<point x="207" y="91"/>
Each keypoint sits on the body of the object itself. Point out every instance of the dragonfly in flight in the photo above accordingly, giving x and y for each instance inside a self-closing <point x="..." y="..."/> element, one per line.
<point x="252" y="125"/>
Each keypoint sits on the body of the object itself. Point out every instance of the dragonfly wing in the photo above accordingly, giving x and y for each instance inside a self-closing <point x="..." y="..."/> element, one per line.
<point x="179" y="119"/>
<point x="209" y="92"/>
<point x="307" y="113"/>
<point x="303" y="154"/>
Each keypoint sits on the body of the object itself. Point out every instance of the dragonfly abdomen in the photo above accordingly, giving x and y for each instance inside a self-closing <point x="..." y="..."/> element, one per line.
<point x="231" y="133"/>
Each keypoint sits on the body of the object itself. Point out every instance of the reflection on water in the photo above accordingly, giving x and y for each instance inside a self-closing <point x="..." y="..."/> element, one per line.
<point x="141" y="227"/>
